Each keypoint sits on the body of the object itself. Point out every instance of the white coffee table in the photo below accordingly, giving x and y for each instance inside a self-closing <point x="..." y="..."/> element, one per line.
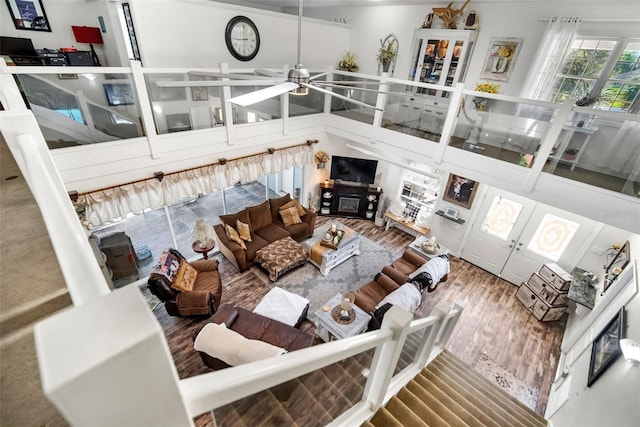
<point x="328" y="329"/>
<point x="331" y="258"/>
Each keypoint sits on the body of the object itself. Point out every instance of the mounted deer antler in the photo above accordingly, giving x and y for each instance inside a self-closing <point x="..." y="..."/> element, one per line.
<point x="448" y="14"/>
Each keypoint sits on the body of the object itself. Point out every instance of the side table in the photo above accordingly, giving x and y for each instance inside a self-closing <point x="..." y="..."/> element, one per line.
<point x="328" y="329"/>
<point x="204" y="251"/>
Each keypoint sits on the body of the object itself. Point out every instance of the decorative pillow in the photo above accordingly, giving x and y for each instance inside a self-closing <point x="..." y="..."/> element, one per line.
<point x="185" y="278"/>
<point x="233" y="235"/>
<point x="243" y="230"/>
<point x="290" y="216"/>
<point x="298" y="206"/>
<point x="167" y="265"/>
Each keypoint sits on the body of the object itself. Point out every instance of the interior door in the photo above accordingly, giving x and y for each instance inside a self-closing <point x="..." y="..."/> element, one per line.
<point x="551" y="235"/>
<point x="500" y="221"/>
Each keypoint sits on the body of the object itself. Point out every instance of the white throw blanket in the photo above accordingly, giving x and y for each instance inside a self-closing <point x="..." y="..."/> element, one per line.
<point x="436" y="267"/>
<point x="231" y="347"/>
<point x="282" y="306"/>
<point x="406" y="296"/>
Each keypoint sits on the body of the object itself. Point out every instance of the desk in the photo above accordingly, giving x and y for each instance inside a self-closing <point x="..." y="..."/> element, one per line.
<point x="408" y="227"/>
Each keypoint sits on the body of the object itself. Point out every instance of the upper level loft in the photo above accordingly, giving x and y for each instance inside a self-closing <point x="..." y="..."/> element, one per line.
<point x="577" y="158"/>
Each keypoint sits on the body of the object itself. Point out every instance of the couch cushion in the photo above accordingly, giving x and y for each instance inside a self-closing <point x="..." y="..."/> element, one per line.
<point x="233" y="235"/>
<point x="243" y="230"/>
<point x="290" y="216"/>
<point x="260" y="215"/>
<point x="186" y="277"/>
<point x="295" y="203"/>
<point x="272" y="232"/>
<point x="298" y="231"/>
<point x="254" y="246"/>
<point x="276" y="204"/>
<point x="231" y="219"/>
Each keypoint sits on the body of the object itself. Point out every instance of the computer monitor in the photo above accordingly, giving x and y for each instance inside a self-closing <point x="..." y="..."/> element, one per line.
<point x="16" y="46"/>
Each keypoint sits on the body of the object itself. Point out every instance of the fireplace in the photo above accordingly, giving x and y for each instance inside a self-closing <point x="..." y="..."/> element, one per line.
<point x="348" y="205"/>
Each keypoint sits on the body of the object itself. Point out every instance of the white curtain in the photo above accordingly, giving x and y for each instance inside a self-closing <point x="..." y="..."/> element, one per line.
<point x="623" y="154"/>
<point x="117" y="202"/>
<point x="560" y="33"/>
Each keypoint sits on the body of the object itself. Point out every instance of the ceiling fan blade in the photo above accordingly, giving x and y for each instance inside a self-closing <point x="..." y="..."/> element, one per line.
<point x="263" y="72"/>
<point x="346" y="98"/>
<point x="317" y="76"/>
<point x="348" y="82"/>
<point x="262" y="94"/>
<point x="228" y="75"/>
<point x="216" y="83"/>
<point x="361" y="89"/>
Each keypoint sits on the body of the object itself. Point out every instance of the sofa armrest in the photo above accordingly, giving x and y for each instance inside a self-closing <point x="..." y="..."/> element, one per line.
<point x="230" y="249"/>
<point x="395" y="274"/>
<point x="413" y="258"/>
<point x="195" y="303"/>
<point x="310" y="217"/>
<point x="205" y="265"/>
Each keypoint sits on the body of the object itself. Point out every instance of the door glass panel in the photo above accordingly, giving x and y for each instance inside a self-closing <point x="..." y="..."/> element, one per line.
<point x="552" y="236"/>
<point x="501" y="217"/>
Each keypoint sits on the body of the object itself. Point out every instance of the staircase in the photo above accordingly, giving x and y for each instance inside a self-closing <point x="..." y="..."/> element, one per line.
<point x="449" y="393"/>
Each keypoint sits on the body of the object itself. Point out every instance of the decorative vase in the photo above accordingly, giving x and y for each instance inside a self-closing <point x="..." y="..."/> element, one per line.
<point x="379" y="221"/>
<point x="481" y="104"/>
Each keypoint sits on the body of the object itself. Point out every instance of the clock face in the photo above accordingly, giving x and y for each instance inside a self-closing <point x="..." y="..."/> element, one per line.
<point x="242" y="38"/>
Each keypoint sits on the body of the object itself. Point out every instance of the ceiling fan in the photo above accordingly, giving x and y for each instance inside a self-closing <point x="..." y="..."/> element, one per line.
<point x="298" y="81"/>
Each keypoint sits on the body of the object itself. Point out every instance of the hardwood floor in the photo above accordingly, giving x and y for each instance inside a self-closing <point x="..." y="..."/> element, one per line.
<point x="493" y="321"/>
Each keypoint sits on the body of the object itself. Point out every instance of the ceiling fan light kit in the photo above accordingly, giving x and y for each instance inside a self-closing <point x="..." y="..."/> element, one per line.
<point x="301" y="76"/>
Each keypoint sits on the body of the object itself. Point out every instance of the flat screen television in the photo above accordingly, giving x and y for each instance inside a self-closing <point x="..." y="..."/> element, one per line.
<point x="16" y="46"/>
<point x="353" y="169"/>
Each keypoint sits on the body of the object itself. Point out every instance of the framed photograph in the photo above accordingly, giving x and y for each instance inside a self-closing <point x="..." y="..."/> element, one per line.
<point x="605" y="349"/>
<point x="119" y="94"/>
<point x="28" y="15"/>
<point x="67" y="76"/>
<point x="199" y="93"/>
<point x="460" y="191"/>
<point x="501" y="58"/>
<point x="178" y="122"/>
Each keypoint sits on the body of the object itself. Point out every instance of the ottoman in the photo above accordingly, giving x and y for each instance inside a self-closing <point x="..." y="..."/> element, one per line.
<point x="283" y="306"/>
<point x="281" y="256"/>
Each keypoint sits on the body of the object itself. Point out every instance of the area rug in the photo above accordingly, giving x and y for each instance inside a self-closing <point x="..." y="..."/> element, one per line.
<point x="350" y="275"/>
<point x="510" y="383"/>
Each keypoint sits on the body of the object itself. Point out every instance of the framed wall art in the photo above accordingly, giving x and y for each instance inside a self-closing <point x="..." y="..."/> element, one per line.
<point x="501" y="58"/>
<point x="119" y="94"/>
<point x="28" y="15"/>
<point x="460" y="191"/>
<point x="605" y="349"/>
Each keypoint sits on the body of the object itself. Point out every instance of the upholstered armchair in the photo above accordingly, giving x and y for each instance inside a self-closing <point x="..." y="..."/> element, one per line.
<point x="187" y="289"/>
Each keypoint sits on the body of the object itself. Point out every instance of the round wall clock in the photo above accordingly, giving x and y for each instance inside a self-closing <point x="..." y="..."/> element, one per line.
<point x="242" y="37"/>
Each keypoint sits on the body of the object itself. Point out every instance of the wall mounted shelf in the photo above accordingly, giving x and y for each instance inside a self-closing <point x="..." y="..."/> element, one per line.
<point x="457" y="220"/>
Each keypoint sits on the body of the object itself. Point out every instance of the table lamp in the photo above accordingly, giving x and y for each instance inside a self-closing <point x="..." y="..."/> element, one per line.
<point x="202" y="233"/>
<point x="89" y="35"/>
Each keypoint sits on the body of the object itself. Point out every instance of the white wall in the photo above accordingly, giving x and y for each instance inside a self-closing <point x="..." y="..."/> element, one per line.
<point x="613" y="400"/>
<point x="190" y="33"/>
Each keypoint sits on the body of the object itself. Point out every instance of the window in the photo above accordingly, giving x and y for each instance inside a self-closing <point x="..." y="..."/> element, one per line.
<point x="552" y="236"/>
<point x="590" y="72"/>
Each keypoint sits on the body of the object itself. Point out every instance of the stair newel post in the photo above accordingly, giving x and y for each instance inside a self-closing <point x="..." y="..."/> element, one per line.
<point x="449" y="323"/>
<point x="397" y="320"/>
<point x="425" y="351"/>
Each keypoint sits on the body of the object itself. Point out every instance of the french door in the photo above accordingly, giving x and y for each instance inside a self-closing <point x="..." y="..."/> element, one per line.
<point x="514" y="236"/>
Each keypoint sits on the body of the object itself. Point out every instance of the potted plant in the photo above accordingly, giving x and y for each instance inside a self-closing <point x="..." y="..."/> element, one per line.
<point x="349" y="62"/>
<point x="386" y="53"/>
<point x="382" y="208"/>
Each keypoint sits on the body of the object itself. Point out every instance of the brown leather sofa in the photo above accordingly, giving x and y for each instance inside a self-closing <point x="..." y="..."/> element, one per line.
<point x="266" y="227"/>
<point x="390" y="279"/>
<point x="257" y="327"/>
<point x="201" y="301"/>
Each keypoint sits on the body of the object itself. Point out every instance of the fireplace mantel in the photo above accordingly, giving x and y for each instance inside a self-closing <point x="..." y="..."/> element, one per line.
<point x="349" y="199"/>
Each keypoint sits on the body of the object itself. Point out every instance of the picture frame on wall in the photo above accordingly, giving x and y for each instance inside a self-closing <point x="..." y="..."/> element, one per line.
<point x="119" y="94"/>
<point x="501" y="58"/>
<point x="605" y="348"/>
<point x="178" y="122"/>
<point x="460" y="191"/>
<point x="28" y="15"/>
<point x="200" y="93"/>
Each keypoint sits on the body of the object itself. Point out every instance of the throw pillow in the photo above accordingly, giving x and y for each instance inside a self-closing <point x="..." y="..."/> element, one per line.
<point x="233" y="235"/>
<point x="290" y="216"/>
<point x="185" y="278"/>
<point x="298" y="206"/>
<point x="243" y="230"/>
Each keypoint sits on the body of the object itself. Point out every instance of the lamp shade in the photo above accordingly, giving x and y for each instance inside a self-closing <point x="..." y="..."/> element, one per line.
<point x="202" y="233"/>
<point x="87" y="34"/>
